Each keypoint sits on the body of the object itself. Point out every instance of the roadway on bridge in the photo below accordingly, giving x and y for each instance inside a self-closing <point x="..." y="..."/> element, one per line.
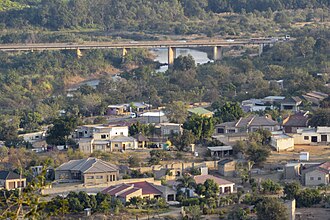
<point x="130" y="44"/>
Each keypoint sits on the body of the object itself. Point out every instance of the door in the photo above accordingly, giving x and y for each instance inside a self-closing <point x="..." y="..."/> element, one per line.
<point x="324" y="138"/>
<point x="124" y="147"/>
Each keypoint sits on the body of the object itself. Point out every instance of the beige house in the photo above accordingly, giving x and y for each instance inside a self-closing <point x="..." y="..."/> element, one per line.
<point x="145" y="189"/>
<point x="282" y="142"/>
<point x="89" y="171"/>
<point x="10" y="180"/>
<point x="225" y="186"/>
<point x="227" y="167"/>
<point x="121" y="143"/>
<point x="246" y="125"/>
<point x="316" y="175"/>
<point x="312" y="136"/>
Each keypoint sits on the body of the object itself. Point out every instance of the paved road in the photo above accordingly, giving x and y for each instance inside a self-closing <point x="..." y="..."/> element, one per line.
<point x="132" y="44"/>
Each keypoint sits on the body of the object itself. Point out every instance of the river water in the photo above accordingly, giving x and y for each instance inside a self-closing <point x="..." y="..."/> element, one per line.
<point x="160" y="56"/>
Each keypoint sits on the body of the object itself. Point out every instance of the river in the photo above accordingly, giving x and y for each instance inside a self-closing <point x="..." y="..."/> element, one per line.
<point x="160" y="56"/>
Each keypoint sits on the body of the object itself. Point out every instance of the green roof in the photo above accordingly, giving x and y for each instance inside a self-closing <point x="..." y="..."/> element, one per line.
<point x="199" y="111"/>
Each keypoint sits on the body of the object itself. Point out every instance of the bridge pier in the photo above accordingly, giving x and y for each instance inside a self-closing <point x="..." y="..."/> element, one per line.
<point x="123" y="55"/>
<point x="79" y="53"/>
<point x="261" y="49"/>
<point x="217" y="53"/>
<point x="171" y="55"/>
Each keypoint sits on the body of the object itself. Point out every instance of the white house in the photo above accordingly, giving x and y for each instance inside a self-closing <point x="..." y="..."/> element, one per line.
<point x="281" y="142"/>
<point x="312" y="136"/>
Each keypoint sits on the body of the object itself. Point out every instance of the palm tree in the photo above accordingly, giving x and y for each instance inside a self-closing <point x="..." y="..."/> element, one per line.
<point x="186" y="182"/>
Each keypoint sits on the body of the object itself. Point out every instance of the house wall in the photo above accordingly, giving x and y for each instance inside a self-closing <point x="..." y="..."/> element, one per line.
<point x="137" y="193"/>
<point x="118" y="146"/>
<point x="169" y="129"/>
<point x="227" y="169"/>
<point x="62" y="175"/>
<point x="118" y="131"/>
<point x="269" y="128"/>
<point x="15" y="183"/>
<point x="100" y="178"/>
<point x="315" y="178"/>
<point x="292" y="172"/>
<point x="101" y="147"/>
<point x="85" y="147"/>
<point x="282" y="143"/>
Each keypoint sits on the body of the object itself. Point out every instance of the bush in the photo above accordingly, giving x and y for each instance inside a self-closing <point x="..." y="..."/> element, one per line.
<point x="190" y="202"/>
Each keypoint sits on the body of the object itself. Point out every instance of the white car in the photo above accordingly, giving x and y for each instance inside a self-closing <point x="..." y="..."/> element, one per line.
<point x="230" y="40"/>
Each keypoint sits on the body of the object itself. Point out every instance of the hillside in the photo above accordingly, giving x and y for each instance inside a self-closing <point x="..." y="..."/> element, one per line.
<point x="6" y="5"/>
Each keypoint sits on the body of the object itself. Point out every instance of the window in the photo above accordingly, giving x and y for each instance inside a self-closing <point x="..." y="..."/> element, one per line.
<point x="221" y="131"/>
<point x="306" y="138"/>
<point x="121" y="133"/>
<point x="85" y="132"/>
<point x="116" y="145"/>
<point x="103" y="136"/>
<point x="90" y="177"/>
<point x="99" y="177"/>
<point x="319" y="178"/>
<point x="231" y="131"/>
<point x="311" y="178"/>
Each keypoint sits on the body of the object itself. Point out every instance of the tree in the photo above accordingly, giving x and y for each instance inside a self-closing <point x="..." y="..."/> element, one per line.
<point x="136" y="201"/>
<point x="260" y="136"/>
<point x="321" y="117"/>
<point x="201" y="127"/>
<point x="184" y="63"/>
<point x="308" y="197"/>
<point x="237" y="214"/>
<point x="271" y="208"/>
<point x="257" y="153"/>
<point x="133" y="161"/>
<point x="268" y="186"/>
<point x="59" y="133"/>
<point x="3" y="153"/>
<point x="186" y="182"/>
<point x="209" y="189"/>
<point x="184" y="140"/>
<point x="229" y="112"/>
<point x="305" y="46"/>
<point x="291" y="190"/>
<point x="176" y="112"/>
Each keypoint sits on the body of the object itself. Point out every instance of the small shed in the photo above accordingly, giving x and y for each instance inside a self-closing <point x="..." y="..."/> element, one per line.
<point x="221" y="151"/>
<point x="142" y="140"/>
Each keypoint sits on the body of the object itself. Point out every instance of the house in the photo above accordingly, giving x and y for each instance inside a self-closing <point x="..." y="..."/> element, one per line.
<point x="221" y="151"/>
<point x="224" y="185"/>
<point x="316" y="175"/>
<point x="121" y="109"/>
<point x="291" y="104"/>
<point x="153" y="117"/>
<point x="10" y="180"/>
<point x="246" y="125"/>
<point x="33" y="137"/>
<point x="201" y="112"/>
<point x="315" y="97"/>
<point x="122" y="143"/>
<point x="281" y="141"/>
<point x="312" y="136"/>
<point x="144" y="189"/>
<point x="88" y="171"/>
<point x="142" y="140"/>
<point x="254" y="105"/>
<point x="166" y="129"/>
<point x="227" y="167"/>
<point x="103" y="138"/>
<point x="294" y="122"/>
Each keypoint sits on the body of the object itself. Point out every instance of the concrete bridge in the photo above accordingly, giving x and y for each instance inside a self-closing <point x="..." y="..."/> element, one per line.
<point x="125" y="45"/>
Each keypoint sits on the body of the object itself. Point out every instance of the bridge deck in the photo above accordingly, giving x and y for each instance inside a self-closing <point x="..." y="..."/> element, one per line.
<point x="131" y="44"/>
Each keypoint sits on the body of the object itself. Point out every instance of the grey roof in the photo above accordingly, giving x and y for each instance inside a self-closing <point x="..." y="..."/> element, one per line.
<point x="140" y="137"/>
<point x="8" y="175"/>
<point x="220" y="148"/>
<point x="122" y="138"/>
<point x="222" y="162"/>
<point x="89" y="165"/>
<point x="252" y="120"/>
<point x="291" y="100"/>
<point x="262" y="121"/>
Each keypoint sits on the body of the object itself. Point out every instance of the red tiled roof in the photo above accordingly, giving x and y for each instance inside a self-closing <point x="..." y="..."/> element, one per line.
<point x="202" y="178"/>
<point x="130" y="191"/>
<point x="117" y="189"/>
<point x="147" y="188"/>
<point x="325" y="166"/>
